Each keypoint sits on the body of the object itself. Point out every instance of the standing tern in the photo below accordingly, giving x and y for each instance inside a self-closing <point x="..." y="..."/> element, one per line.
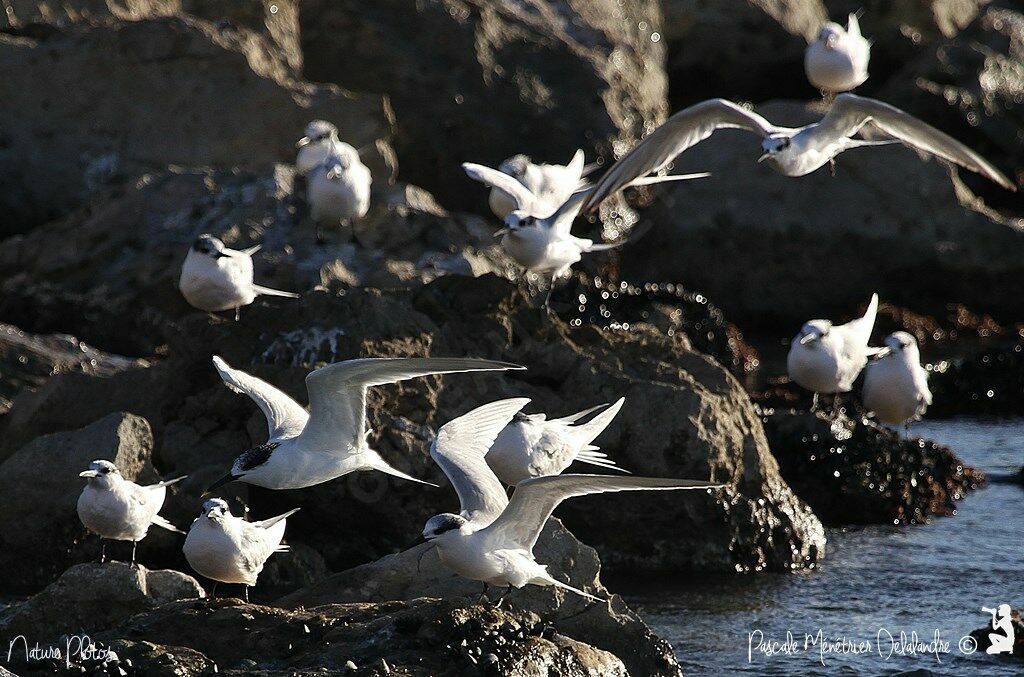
<point x="896" y="385"/>
<point x="533" y="446"/>
<point x="227" y="549"/>
<point x="827" y="358"/>
<point x="837" y="61"/>
<point x="215" y="278"/>
<point x="492" y="538"/>
<point x="118" y="509"/>
<point x="792" y="151"/>
<point x="330" y="441"/>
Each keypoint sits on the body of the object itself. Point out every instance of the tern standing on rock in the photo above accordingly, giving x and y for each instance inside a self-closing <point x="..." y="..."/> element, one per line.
<point x="827" y="358"/>
<point x="532" y="446"/>
<point x="896" y="385"/>
<point x="216" y="278"/>
<point x="551" y="185"/>
<point x="227" y="549"/>
<point x="330" y="441"/>
<point x="339" y="189"/>
<point x="491" y="540"/>
<point x="837" y="61"/>
<point x="792" y="151"/>
<point x="118" y="509"/>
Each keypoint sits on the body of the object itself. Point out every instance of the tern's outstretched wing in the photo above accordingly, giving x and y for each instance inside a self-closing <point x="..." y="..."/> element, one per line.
<point x="285" y="416"/>
<point x="517" y="192"/>
<point x="460" y="448"/>
<point x="337" y="392"/>
<point x="851" y="112"/>
<point x="534" y="500"/>
<point x="686" y="128"/>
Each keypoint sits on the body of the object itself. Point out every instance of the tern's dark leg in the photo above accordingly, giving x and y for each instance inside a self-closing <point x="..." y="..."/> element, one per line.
<point x="835" y="406"/>
<point x="320" y="235"/>
<point x="213" y="591"/>
<point x="246" y="593"/>
<point x="547" y="297"/>
<point x="832" y="167"/>
<point x="814" y="402"/>
<point x="906" y="428"/>
<point x="501" y="598"/>
<point x="135" y="544"/>
<point x="103" y="550"/>
<point x="483" y="595"/>
<point x="238" y="315"/>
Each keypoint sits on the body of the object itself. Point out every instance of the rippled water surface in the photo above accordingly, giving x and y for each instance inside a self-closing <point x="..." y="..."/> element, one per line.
<point x="890" y="579"/>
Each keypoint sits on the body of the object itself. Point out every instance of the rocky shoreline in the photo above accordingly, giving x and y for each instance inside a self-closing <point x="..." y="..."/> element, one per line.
<point x="183" y="121"/>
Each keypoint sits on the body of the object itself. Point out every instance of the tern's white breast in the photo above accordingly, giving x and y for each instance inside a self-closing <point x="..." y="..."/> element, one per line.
<point x="119" y="514"/>
<point x="891" y="390"/>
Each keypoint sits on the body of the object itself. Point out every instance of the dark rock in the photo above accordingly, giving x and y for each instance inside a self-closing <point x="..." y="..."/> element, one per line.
<point x="970" y="85"/>
<point x="28" y="360"/>
<point x="40" y="533"/>
<point x="501" y="78"/>
<point x="852" y="472"/>
<point x="712" y="45"/>
<point x="89" y="598"/>
<point x="417" y="572"/>
<point x="401" y="637"/>
<point x="72" y="99"/>
<point x="888" y="221"/>
<point x="108" y="273"/>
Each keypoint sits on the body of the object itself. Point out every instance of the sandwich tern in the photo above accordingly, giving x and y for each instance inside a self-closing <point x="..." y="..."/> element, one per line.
<point x="338" y="189"/>
<point x="491" y="540"/>
<point x="227" y="549"/>
<point x="550" y="185"/>
<point x="330" y="441"/>
<point x="895" y="384"/>
<point x="216" y="278"/>
<point x="837" y="61"/>
<point x="827" y="358"/>
<point x="792" y="151"/>
<point x="533" y="446"/>
<point x="118" y="509"/>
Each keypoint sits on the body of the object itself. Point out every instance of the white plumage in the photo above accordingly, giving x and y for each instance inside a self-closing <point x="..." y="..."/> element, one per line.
<point x="533" y="446"/>
<point x="827" y="358"/>
<point x="896" y="385"/>
<point x="550" y="185"/>
<point x="228" y="549"/>
<point x="837" y="61"/>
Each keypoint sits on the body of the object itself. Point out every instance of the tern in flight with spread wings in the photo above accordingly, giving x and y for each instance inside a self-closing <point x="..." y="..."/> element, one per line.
<point x="492" y="538"/>
<point x="791" y="151"/>
<point x="304" y="449"/>
<point x="540" y="239"/>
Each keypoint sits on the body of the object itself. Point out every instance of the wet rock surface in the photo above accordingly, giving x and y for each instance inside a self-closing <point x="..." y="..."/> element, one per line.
<point x="853" y="472"/>
<point x="420" y="637"/>
<point x="414" y="573"/>
<point x="537" y="78"/>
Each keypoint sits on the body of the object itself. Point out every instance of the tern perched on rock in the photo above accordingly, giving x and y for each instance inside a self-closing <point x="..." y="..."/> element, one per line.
<point x="540" y="241"/>
<point x="827" y="358"/>
<point x="837" y="61"/>
<point x="227" y="549"/>
<point x="550" y="185"/>
<point x="320" y="141"/>
<point x="118" y="509"/>
<point x="533" y="446"/>
<point x="895" y="384"/>
<point x="216" y="278"/>
<point x="338" y="189"/>
<point x="330" y="441"/>
<point x="792" y="151"/>
<point x="492" y="538"/>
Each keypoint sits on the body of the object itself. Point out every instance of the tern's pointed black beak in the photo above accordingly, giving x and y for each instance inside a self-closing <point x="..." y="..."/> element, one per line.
<point x="219" y="483"/>
<point x="420" y="540"/>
